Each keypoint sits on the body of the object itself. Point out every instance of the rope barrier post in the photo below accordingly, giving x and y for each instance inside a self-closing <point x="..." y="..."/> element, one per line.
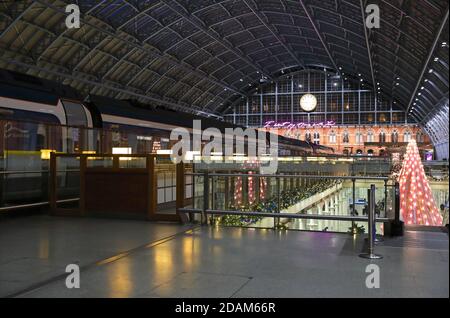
<point x="396" y="226"/>
<point x="377" y="239"/>
<point x="353" y="201"/>
<point x="385" y="197"/>
<point x="277" y="220"/>
<point x="372" y="217"/>
<point x="204" y="217"/>
<point x="397" y="202"/>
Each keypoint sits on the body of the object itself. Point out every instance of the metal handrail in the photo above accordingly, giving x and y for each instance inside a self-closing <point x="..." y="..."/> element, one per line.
<point x="34" y="205"/>
<point x="36" y="171"/>
<point x="284" y="215"/>
<point x="288" y="176"/>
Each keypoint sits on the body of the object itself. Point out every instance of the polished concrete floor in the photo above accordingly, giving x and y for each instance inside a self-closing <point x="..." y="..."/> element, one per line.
<point x="138" y="259"/>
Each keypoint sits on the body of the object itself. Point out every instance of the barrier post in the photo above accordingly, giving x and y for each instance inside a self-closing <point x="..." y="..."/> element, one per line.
<point x="397" y="202"/>
<point x="277" y="220"/>
<point x="371" y="218"/>
<point x="204" y="218"/>
<point x="396" y="226"/>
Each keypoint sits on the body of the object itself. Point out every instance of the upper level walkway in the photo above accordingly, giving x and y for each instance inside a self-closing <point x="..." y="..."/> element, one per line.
<point x="123" y="258"/>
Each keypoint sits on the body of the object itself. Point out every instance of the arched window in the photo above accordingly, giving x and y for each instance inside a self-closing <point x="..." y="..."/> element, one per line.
<point x="359" y="138"/>
<point x="370" y="152"/>
<point x="370" y="136"/>
<point x="316" y="138"/>
<point x="345" y="138"/>
<point x="419" y="137"/>
<point x="394" y="136"/>
<point x="382" y="137"/>
<point x="308" y="136"/>
<point x="359" y="152"/>
<point x="332" y="137"/>
<point x="406" y="136"/>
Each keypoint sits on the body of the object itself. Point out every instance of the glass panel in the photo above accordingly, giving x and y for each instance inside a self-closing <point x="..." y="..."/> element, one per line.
<point x="76" y="116"/>
<point x="68" y="179"/>
<point x="166" y="186"/>
<point x="99" y="162"/>
<point x="130" y="162"/>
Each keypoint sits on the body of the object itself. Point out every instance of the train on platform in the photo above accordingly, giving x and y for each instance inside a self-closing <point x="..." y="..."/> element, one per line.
<point x="38" y="109"/>
<point x="39" y="116"/>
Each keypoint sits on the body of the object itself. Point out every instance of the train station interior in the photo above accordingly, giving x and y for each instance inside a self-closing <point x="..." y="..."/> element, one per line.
<point x="224" y="149"/>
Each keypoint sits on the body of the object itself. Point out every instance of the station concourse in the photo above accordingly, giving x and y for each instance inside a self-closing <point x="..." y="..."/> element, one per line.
<point x="224" y="149"/>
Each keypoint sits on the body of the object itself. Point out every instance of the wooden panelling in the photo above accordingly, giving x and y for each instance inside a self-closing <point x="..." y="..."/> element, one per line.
<point x="116" y="191"/>
<point x="119" y="192"/>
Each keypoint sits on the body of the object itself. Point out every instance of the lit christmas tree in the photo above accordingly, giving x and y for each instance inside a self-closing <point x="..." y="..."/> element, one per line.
<point x="417" y="203"/>
<point x="251" y="190"/>
<point x="238" y="192"/>
<point x="262" y="188"/>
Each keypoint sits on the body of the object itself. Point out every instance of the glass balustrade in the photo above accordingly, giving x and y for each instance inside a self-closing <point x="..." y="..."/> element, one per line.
<point x="308" y="196"/>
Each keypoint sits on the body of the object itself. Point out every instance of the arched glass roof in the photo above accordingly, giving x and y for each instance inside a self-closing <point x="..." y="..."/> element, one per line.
<point x="203" y="55"/>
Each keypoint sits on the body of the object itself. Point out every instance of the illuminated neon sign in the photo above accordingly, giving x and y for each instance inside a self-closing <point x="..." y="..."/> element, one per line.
<point x="289" y="125"/>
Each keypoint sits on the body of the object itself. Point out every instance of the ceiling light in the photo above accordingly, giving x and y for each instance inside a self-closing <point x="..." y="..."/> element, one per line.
<point x="430" y="71"/>
<point x="241" y="80"/>
<point x="419" y="94"/>
<point x="436" y="59"/>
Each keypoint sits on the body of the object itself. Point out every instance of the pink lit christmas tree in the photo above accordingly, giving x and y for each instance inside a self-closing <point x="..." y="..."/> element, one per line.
<point x="417" y="203"/>
<point x="238" y="192"/>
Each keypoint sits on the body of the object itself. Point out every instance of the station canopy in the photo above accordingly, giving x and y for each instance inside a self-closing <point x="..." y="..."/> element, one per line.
<point x="202" y="56"/>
